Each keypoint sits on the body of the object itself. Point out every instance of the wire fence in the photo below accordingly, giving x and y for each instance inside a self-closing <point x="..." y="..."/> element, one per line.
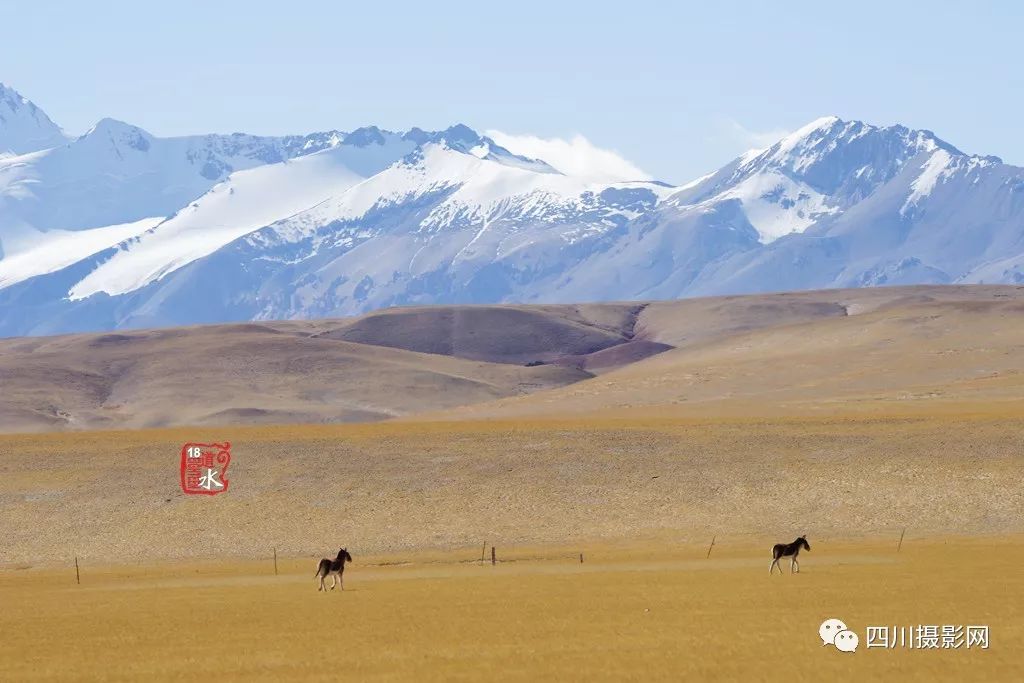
<point x="491" y="554"/>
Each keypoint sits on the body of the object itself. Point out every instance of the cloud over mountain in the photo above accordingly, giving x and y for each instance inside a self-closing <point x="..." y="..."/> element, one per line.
<point x="575" y="156"/>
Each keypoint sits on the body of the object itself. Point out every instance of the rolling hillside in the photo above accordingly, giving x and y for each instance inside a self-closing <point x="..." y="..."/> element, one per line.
<point x="885" y="349"/>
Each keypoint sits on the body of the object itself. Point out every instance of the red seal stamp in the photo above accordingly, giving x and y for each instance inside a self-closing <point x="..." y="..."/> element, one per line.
<point x="204" y="467"/>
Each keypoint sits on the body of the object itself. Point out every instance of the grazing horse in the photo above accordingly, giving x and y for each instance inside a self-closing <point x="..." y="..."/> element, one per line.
<point x="334" y="568"/>
<point x="780" y="550"/>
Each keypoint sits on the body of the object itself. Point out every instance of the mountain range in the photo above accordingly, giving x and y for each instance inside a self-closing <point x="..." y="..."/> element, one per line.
<point x="119" y="229"/>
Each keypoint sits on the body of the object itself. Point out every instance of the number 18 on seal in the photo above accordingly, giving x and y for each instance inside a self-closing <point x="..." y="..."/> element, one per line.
<point x="204" y="468"/>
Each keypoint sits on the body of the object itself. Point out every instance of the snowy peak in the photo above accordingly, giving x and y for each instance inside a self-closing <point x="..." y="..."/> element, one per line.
<point x="113" y="128"/>
<point x="459" y="136"/>
<point x="847" y="161"/>
<point x="24" y="127"/>
<point x="483" y="184"/>
<point x="814" y="174"/>
<point x="833" y="155"/>
<point x="462" y="138"/>
<point x="118" y="135"/>
<point x="363" y="137"/>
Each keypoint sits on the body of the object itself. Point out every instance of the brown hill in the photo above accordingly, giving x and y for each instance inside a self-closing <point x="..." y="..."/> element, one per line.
<point x="497" y="334"/>
<point x="789" y="352"/>
<point x="237" y="374"/>
<point x="870" y="350"/>
<point x="375" y="367"/>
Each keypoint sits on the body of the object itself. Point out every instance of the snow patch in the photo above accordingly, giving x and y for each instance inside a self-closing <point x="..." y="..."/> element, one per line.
<point x="39" y="253"/>
<point x="932" y="171"/>
<point x="797" y="137"/>
<point x="246" y="201"/>
<point x="776" y="205"/>
<point x="694" y="183"/>
<point x="750" y="155"/>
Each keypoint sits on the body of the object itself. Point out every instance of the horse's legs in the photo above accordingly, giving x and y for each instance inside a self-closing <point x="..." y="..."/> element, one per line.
<point x="334" y="581"/>
<point x="796" y="564"/>
<point x="322" y="587"/>
<point x="771" y="567"/>
<point x="341" y="580"/>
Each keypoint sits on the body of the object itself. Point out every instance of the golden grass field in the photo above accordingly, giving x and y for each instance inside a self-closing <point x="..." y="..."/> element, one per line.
<point x="414" y="502"/>
<point x="650" y="611"/>
<point x="399" y="486"/>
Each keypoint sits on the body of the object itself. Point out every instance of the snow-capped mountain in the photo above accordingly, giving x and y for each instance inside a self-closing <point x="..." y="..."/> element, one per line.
<point x="24" y="127"/>
<point x="119" y="228"/>
<point x="899" y="207"/>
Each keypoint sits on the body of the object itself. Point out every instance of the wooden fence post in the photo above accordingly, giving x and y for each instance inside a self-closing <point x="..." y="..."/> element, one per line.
<point x="494" y="559"/>
<point x="275" y="561"/>
<point x="581" y="558"/>
<point x="901" y="539"/>
<point x="713" y="538"/>
<point x="78" y="577"/>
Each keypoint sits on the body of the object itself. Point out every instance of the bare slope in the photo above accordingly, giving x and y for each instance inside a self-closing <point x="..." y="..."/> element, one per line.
<point x="386" y="364"/>
<point x="237" y="374"/>
<point x="881" y="350"/>
<point x="499" y="334"/>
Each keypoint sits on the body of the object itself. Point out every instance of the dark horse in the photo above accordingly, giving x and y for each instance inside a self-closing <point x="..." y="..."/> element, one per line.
<point x="334" y="568"/>
<point x="780" y="550"/>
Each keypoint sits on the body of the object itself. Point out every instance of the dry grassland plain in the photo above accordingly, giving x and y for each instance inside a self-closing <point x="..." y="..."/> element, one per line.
<point x="395" y="487"/>
<point x="415" y="502"/>
<point x="629" y="612"/>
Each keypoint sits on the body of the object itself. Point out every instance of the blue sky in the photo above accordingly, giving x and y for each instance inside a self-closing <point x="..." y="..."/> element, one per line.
<point x="675" y="90"/>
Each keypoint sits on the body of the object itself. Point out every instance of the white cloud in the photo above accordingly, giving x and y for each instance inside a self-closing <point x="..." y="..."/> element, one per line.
<point x="575" y="157"/>
<point x="754" y="138"/>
